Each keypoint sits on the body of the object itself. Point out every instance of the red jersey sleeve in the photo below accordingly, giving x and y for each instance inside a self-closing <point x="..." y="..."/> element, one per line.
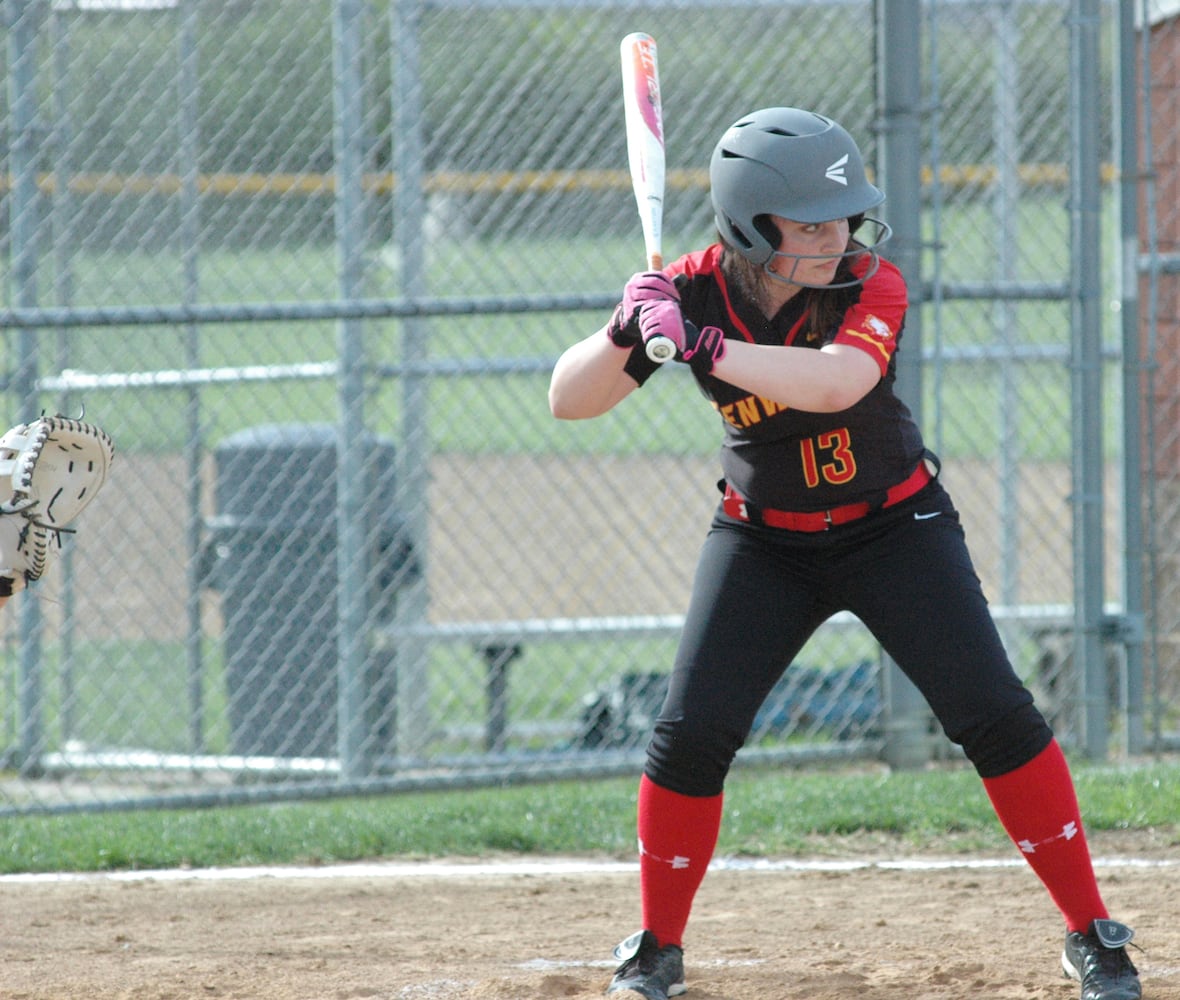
<point x="874" y="322"/>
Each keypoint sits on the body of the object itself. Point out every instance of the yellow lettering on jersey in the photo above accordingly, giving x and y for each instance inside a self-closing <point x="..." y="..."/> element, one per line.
<point x="749" y="411"/>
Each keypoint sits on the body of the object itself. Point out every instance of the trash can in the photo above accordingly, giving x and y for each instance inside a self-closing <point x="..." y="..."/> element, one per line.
<point x="271" y="554"/>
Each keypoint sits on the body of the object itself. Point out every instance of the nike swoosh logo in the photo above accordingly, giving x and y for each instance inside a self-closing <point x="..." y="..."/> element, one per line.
<point x="926" y="517"/>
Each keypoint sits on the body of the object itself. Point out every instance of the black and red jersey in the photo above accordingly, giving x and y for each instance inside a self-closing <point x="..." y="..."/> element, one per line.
<point x="787" y="459"/>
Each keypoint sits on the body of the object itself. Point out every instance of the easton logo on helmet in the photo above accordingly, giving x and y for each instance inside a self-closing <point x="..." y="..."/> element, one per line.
<point x="836" y="171"/>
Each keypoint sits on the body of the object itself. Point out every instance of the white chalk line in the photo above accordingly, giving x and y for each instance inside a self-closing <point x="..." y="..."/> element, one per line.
<point x="534" y="867"/>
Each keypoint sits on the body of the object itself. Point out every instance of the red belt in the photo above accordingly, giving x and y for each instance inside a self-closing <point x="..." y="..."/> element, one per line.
<point x="820" y="520"/>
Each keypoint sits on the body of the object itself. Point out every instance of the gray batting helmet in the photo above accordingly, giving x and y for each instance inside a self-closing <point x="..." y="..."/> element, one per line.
<point x="787" y="162"/>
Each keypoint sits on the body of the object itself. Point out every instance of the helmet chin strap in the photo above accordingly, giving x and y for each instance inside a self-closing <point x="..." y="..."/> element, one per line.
<point x="883" y="233"/>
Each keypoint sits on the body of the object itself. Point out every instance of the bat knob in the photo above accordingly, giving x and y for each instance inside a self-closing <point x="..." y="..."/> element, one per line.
<point x="661" y="349"/>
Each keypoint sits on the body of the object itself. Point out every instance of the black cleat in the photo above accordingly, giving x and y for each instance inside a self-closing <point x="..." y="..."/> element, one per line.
<point x="1098" y="960"/>
<point x="648" y="970"/>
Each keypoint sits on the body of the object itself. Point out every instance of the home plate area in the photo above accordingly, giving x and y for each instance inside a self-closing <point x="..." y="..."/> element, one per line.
<point x="874" y="926"/>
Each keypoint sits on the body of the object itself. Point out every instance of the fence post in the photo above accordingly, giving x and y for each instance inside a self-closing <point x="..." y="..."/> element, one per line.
<point x="24" y="137"/>
<point x="1085" y="190"/>
<point x="413" y="458"/>
<point x="189" y="234"/>
<point x="352" y="640"/>
<point x="899" y="86"/>
<point x="1127" y="122"/>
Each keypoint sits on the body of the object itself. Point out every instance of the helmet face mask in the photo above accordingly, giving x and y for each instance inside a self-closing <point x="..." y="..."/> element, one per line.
<point x="786" y="162"/>
<point x="856" y="247"/>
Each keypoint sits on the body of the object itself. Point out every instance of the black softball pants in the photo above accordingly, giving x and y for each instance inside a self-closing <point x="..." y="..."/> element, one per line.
<point x="759" y="594"/>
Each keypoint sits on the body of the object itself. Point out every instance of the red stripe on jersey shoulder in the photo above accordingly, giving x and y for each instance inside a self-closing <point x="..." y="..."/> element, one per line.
<point x="704" y="263"/>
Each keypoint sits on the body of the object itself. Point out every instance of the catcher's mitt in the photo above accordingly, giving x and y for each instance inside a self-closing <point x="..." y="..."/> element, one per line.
<point x="24" y="552"/>
<point x="55" y="467"/>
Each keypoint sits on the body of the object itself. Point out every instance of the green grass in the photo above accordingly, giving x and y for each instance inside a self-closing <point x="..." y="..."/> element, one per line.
<point x="779" y="813"/>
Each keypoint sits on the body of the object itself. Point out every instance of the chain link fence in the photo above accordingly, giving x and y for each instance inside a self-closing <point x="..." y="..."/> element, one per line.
<point x="311" y="263"/>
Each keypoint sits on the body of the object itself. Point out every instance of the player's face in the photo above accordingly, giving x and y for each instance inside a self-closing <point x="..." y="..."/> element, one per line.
<point x="811" y="251"/>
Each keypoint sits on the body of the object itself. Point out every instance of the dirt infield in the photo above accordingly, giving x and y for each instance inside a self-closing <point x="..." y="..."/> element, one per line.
<point x="854" y="926"/>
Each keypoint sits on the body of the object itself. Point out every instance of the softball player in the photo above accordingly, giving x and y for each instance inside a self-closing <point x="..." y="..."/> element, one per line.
<point x="830" y="502"/>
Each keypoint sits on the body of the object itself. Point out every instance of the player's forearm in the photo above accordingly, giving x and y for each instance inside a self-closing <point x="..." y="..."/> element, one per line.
<point x="588" y="379"/>
<point x="815" y="381"/>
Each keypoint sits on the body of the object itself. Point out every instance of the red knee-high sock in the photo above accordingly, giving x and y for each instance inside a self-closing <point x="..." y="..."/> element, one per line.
<point x="677" y="835"/>
<point x="1038" y="807"/>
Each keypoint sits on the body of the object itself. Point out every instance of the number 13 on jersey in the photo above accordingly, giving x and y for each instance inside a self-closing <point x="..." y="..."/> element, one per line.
<point x="828" y="458"/>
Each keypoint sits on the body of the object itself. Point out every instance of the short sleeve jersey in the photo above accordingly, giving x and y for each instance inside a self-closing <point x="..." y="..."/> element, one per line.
<point x="787" y="459"/>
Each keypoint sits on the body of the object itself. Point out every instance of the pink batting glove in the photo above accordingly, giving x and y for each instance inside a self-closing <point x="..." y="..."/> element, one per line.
<point x="647" y="286"/>
<point x="703" y="348"/>
<point x="662" y="318"/>
<point x="644" y="287"/>
<point x="700" y="349"/>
